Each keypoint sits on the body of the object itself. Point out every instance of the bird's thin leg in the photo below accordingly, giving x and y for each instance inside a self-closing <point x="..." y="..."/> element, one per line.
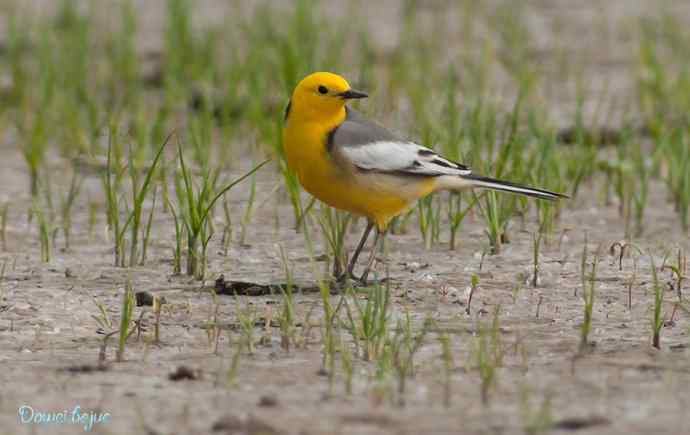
<point x="360" y="246"/>
<point x="380" y="235"/>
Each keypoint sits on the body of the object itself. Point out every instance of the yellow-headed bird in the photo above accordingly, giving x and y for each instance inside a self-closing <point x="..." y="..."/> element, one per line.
<point x="353" y="164"/>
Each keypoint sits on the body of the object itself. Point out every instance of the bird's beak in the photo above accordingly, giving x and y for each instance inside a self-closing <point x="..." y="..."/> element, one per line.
<point x="352" y="94"/>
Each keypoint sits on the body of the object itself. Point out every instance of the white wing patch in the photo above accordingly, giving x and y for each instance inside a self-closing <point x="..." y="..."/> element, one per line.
<point x="401" y="158"/>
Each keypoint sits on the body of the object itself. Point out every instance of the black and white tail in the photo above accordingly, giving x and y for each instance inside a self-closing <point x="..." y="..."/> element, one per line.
<point x="468" y="181"/>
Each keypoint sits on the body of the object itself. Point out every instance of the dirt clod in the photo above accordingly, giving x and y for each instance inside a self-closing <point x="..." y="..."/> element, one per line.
<point x="245" y="288"/>
<point x="268" y="401"/>
<point x="86" y="368"/>
<point x="184" y="373"/>
<point x="237" y="426"/>
<point x="578" y="423"/>
<point x="144" y="299"/>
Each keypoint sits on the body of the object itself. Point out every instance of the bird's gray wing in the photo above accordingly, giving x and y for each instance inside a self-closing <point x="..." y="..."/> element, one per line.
<point x="370" y="147"/>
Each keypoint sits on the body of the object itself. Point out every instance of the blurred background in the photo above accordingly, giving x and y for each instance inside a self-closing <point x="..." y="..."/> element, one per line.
<point x="564" y="49"/>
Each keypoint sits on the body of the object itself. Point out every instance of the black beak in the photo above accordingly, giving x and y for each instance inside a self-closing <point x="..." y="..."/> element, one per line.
<point x="352" y="94"/>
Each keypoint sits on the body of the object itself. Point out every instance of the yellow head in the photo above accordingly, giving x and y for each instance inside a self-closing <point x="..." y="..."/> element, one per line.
<point x="321" y="95"/>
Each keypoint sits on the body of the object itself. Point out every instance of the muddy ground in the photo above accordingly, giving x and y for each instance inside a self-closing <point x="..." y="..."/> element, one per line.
<point x="623" y="385"/>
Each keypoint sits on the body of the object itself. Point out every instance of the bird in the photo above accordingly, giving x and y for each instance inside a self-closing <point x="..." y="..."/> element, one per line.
<point x="354" y="164"/>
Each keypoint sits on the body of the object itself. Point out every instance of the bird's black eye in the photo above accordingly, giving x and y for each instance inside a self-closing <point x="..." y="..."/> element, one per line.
<point x="323" y="90"/>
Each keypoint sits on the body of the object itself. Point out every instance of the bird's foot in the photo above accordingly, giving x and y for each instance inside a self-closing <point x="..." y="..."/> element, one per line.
<point x="350" y="280"/>
<point x="345" y="277"/>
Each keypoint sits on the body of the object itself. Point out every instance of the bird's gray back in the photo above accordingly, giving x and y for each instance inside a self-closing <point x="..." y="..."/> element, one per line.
<point x="358" y="131"/>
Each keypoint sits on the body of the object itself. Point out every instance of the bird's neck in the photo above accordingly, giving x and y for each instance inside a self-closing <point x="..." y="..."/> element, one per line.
<point x="305" y="136"/>
<point x="325" y="115"/>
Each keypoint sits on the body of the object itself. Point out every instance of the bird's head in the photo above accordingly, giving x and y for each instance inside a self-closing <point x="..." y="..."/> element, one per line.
<point x="322" y="94"/>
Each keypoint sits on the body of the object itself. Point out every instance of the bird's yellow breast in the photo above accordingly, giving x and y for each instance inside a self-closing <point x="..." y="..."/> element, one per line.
<point x="379" y="197"/>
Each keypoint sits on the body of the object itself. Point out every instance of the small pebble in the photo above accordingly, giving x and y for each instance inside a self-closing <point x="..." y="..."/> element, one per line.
<point x="144" y="299"/>
<point x="268" y="401"/>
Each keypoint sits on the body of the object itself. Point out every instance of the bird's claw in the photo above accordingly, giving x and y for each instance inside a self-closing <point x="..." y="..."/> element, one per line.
<point x="349" y="278"/>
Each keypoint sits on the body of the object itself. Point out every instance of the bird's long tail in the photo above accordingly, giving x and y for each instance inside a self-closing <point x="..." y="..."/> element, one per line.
<point x="474" y="181"/>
